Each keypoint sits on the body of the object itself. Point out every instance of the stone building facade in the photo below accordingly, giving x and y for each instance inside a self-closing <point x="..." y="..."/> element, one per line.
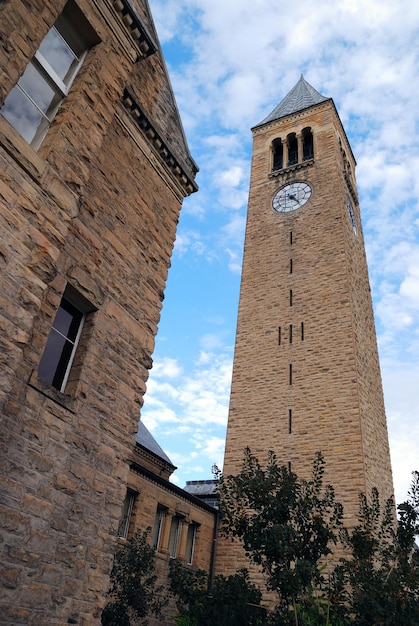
<point x="181" y="525"/>
<point x="94" y="169"/>
<point x="306" y="375"/>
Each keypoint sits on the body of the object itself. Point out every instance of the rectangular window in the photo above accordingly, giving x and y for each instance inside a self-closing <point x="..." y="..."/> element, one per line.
<point x="290" y="333"/>
<point x="302" y="331"/>
<point x="290" y="297"/>
<point x="174" y="536"/>
<point x="289" y="421"/>
<point x="54" y="366"/>
<point x="290" y="374"/>
<point x="279" y="335"/>
<point x="60" y="348"/>
<point x="33" y="102"/>
<point x="190" y="543"/>
<point x="158" y="525"/>
<point x="126" y="514"/>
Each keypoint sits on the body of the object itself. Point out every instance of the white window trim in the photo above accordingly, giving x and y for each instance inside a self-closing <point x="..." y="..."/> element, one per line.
<point x="194" y="528"/>
<point x="73" y="352"/>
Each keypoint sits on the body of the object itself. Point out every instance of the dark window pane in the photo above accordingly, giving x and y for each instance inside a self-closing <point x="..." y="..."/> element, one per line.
<point x="63" y="321"/>
<point x="52" y="354"/>
<point x="63" y="363"/>
<point x="60" y="345"/>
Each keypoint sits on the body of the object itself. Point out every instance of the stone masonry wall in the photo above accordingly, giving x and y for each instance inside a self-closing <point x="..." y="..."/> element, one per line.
<point x="96" y="208"/>
<point x="151" y="493"/>
<point x="306" y="376"/>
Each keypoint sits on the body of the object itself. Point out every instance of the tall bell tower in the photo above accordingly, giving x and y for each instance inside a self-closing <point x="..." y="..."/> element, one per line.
<point x="306" y="374"/>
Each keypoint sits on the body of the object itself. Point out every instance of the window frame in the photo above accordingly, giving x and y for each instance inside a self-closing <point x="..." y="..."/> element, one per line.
<point x="190" y="543"/>
<point x="174" y="534"/>
<point x="72" y="299"/>
<point x="127" y="509"/>
<point x="161" y="511"/>
<point x="78" y="37"/>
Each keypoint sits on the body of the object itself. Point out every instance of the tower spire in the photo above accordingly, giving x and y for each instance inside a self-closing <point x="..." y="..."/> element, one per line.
<point x="302" y="96"/>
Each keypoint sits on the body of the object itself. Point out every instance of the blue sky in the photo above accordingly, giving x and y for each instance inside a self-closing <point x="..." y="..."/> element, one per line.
<point x="230" y="63"/>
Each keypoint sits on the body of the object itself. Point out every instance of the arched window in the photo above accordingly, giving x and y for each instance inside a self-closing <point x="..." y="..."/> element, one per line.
<point x="278" y="154"/>
<point x="308" y="151"/>
<point x="292" y="149"/>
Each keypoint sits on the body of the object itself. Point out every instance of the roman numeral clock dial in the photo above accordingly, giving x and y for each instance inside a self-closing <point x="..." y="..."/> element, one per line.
<point x="291" y="197"/>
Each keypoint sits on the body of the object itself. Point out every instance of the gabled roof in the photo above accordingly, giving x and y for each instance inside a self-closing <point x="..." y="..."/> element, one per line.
<point x="301" y="97"/>
<point x="146" y="440"/>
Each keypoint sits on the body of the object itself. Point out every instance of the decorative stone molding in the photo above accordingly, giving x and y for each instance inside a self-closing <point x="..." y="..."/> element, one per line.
<point x="153" y="137"/>
<point x="132" y="22"/>
<point x="291" y="168"/>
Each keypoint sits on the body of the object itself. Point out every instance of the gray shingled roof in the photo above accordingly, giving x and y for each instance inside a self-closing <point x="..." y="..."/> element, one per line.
<point x="302" y="96"/>
<point x="202" y="487"/>
<point x="146" y="439"/>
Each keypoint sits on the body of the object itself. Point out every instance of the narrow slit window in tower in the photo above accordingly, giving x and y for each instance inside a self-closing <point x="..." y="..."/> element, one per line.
<point x="279" y="335"/>
<point x="290" y="373"/>
<point x="289" y="421"/>
<point x="290" y="333"/>
<point x="302" y="331"/>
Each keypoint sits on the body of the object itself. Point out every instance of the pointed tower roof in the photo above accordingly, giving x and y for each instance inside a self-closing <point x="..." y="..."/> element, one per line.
<point x="302" y="96"/>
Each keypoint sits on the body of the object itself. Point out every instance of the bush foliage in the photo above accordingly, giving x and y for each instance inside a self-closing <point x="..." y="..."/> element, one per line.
<point x="133" y="593"/>
<point x="288" y="527"/>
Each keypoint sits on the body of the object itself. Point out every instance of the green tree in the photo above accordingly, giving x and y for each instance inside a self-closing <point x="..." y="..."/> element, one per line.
<point x="287" y="526"/>
<point x="133" y="593"/>
<point x="231" y="601"/>
<point x="380" y="577"/>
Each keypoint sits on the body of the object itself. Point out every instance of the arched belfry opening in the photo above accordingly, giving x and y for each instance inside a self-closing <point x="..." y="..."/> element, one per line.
<point x="277" y="154"/>
<point x="292" y="149"/>
<point x="308" y="147"/>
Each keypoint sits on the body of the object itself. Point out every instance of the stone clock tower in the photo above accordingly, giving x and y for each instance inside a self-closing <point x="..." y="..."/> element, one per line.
<point x="306" y="374"/>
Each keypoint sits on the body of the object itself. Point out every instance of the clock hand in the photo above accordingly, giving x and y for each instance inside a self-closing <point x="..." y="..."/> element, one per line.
<point x="291" y="196"/>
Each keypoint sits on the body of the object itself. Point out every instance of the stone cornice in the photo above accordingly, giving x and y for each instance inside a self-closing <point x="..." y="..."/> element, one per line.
<point x="187" y="183"/>
<point x="171" y="488"/>
<point x="137" y="30"/>
<point x="291" y="168"/>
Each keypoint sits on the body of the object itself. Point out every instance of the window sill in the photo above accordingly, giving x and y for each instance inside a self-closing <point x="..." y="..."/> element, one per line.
<point x="20" y="151"/>
<point x="68" y="402"/>
<point x="291" y="168"/>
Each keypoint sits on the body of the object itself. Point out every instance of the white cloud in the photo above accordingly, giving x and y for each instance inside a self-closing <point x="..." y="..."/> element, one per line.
<point x="236" y="60"/>
<point x="410" y="286"/>
<point x="167" y="368"/>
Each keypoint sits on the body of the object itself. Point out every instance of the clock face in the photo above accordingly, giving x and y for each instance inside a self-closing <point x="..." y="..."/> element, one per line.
<point x="291" y="197"/>
<point x="351" y="214"/>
